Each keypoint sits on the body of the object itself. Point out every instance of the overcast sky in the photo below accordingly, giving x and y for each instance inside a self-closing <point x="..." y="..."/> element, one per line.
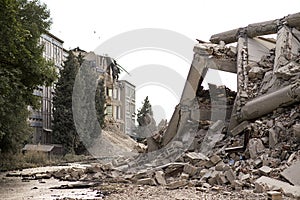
<point x="87" y="24"/>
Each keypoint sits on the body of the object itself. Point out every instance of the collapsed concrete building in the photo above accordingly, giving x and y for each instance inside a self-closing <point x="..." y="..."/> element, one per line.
<point x="267" y="71"/>
<point x="249" y="138"/>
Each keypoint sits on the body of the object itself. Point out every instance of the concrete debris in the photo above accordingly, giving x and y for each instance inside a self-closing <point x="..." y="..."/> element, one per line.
<point x="265" y="170"/>
<point x="245" y="140"/>
<point x="292" y="173"/>
<point x="270" y="183"/>
<point x="255" y="147"/>
<point x="274" y="195"/>
<point x="239" y="128"/>
<point x="177" y="184"/>
<point x="189" y="169"/>
<point x="296" y="131"/>
<point x="160" y="178"/>
<point x="146" y="181"/>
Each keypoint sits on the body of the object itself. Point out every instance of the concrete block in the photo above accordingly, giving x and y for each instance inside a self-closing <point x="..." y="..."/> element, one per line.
<point x="274" y="195"/>
<point x="218" y="125"/>
<point x="287" y="188"/>
<point x="146" y="181"/>
<point x="221" y="179"/>
<point x="265" y="170"/>
<point x="273" y="138"/>
<point x="220" y="166"/>
<point x="215" y="159"/>
<point x="296" y="131"/>
<point x="255" y="147"/>
<point x="190" y="169"/>
<point x="193" y="156"/>
<point x="177" y="184"/>
<point x="260" y="187"/>
<point x="230" y="175"/>
<point x="243" y="177"/>
<point x="203" y="172"/>
<point x="237" y="185"/>
<point x="239" y="128"/>
<point x="257" y="163"/>
<point x="292" y="173"/>
<point x="160" y="177"/>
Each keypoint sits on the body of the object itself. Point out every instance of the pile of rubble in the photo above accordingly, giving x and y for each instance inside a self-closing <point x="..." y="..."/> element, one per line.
<point x="220" y="139"/>
<point x="247" y="140"/>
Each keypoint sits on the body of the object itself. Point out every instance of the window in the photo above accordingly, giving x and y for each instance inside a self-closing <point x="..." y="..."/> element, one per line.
<point x="115" y="93"/>
<point x="109" y="110"/>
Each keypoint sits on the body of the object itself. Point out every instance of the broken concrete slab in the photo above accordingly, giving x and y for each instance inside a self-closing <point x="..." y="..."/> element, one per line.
<point x="292" y="173"/>
<point x="218" y="125"/>
<point x="194" y="156"/>
<point x="239" y="128"/>
<point x="209" y="141"/>
<point x="287" y="188"/>
<point x="215" y="159"/>
<point x="146" y="181"/>
<point x="190" y="169"/>
<point x="265" y="170"/>
<point x="230" y="175"/>
<point x="273" y="138"/>
<point x="296" y="131"/>
<point x="177" y="184"/>
<point x="160" y="177"/>
<point x="255" y="147"/>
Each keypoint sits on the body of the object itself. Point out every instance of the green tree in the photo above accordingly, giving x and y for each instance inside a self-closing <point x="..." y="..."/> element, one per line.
<point x="100" y="102"/>
<point x="64" y="130"/>
<point x="146" y="109"/>
<point x="22" y="66"/>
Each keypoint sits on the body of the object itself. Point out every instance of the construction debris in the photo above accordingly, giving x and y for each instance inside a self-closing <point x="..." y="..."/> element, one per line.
<point x="292" y="173"/>
<point x="218" y="138"/>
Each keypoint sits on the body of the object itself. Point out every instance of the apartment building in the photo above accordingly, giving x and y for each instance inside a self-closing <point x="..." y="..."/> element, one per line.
<point x="127" y="97"/>
<point x="120" y="94"/>
<point x="41" y="120"/>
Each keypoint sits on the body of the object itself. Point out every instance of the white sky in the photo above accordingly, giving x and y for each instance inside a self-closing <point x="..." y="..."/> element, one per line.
<point x="89" y="23"/>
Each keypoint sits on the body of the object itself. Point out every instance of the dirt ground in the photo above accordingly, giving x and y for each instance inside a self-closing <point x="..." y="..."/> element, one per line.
<point x="126" y="192"/>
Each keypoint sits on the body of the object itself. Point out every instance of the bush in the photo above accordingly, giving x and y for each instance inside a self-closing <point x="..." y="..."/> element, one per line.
<point x="35" y="157"/>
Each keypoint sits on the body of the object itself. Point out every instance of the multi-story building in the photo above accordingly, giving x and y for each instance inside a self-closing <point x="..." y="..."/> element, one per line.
<point x="127" y="97"/>
<point x="120" y="95"/>
<point x="41" y="120"/>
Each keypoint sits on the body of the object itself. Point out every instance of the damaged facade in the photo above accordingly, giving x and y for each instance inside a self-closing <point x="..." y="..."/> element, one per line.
<point x="120" y="94"/>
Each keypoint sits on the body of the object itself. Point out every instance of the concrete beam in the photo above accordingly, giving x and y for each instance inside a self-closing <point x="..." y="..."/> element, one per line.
<point x="257" y="29"/>
<point x="223" y="64"/>
<point x="267" y="103"/>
